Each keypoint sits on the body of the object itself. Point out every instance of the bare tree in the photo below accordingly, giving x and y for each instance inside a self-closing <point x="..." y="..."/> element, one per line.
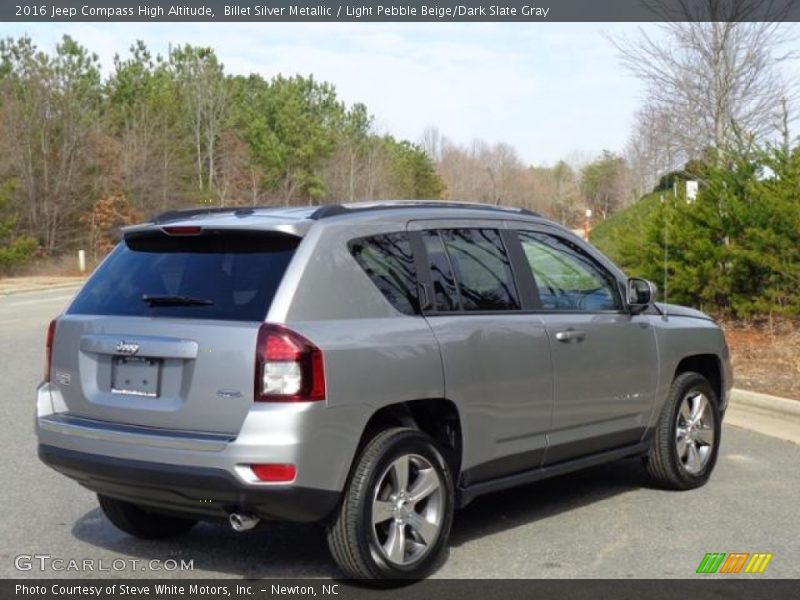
<point x="652" y="148"/>
<point x="431" y="142"/>
<point x="481" y="172"/>
<point x="714" y="76"/>
<point x="504" y="169"/>
<point x="567" y="194"/>
<point x="206" y="98"/>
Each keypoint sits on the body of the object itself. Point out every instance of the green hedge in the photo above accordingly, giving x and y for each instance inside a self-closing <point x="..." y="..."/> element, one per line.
<point x="735" y="250"/>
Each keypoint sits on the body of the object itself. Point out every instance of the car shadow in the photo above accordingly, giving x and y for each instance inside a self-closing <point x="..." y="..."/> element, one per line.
<point x="545" y="499"/>
<point x="289" y="550"/>
<point x="285" y="550"/>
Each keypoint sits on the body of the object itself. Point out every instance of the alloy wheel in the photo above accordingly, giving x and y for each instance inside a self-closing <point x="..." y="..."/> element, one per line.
<point x="407" y="509"/>
<point x="695" y="430"/>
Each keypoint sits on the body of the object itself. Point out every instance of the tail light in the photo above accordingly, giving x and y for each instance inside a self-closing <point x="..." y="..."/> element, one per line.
<point x="51" y="332"/>
<point x="289" y="368"/>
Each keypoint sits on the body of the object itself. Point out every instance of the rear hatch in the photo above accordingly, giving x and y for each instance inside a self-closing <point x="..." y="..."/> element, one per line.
<point x="164" y="333"/>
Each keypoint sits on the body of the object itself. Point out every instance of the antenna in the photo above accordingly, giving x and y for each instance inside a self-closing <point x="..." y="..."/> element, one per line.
<point x="666" y="256"/>
<point x="666" y="246"/>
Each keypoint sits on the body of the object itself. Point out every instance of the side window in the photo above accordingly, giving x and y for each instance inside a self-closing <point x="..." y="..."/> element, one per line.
<point x="568" y="279"/>
<point x="389" y="262"/>
<point x="445" y="294"/>
<point x="482" y="269"/>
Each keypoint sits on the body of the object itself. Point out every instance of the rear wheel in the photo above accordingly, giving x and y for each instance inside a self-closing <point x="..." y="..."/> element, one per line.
<point x="141" y="523"/>
<point x="687" y="436"/>
<point x="397" y="510"/>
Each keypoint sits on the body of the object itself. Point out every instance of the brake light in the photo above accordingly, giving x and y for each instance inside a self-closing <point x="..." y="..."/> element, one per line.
<point x="48" y="361"/>
<point x="289" y="368"/>
<point x="274" y="473"/>
<point x="183" y="230"/>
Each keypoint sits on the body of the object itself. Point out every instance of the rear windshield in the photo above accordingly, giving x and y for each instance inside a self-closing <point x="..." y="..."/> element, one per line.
<point x="217" y="275"/>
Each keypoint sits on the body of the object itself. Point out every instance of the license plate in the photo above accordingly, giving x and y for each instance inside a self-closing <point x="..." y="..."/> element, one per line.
<point x="135" y="376"/>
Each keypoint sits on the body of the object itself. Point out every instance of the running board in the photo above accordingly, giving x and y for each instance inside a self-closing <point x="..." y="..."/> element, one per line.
<point x="469" y="493"/>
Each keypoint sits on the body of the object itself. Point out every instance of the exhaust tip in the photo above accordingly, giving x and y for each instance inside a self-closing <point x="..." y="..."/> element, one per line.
<point x="242" y="522"/>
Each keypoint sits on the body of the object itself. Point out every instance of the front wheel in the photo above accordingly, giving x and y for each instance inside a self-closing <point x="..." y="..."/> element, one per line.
<point x="397" y="510"/>
<point x="687" y="436"/>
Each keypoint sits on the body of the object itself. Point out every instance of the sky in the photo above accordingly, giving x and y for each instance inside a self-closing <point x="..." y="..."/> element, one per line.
<point x="552" y="90"/>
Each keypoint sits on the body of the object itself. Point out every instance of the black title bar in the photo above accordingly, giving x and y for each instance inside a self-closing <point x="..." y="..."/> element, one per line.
<point x="700" y="588"/>
<point x="409" y="10"/>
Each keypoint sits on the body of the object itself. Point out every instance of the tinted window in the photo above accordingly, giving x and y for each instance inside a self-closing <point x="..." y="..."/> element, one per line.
<point x="482" y="269"/>
<point x="445" y="294"/>
<point x="236" y="275"/>
<point x="389" y="262"/>
<point x="568" y="279"/>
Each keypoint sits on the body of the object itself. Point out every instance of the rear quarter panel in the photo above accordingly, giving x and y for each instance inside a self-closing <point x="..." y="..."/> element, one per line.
<point x="374" y="355"/>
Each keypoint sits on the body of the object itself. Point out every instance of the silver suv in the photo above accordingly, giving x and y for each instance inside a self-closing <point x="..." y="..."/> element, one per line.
<point x="368" y="366"/>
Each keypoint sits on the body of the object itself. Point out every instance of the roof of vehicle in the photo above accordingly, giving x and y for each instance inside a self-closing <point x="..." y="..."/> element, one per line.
<point x="255" y="216"/>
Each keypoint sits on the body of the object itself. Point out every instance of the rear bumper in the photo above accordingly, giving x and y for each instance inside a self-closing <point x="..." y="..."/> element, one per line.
<point x="197" y="491"/>
<point x="207" y="474"/>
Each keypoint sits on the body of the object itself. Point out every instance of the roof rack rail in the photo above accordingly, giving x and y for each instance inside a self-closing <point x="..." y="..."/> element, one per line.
<point x="187" y="213"/>
<point x="333" y="210"/>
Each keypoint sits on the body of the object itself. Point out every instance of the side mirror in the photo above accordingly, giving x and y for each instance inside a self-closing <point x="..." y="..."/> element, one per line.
<point x="641" y="294"/>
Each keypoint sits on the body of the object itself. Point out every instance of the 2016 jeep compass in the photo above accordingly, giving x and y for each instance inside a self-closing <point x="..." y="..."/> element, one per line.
<point x="369" y="366"/>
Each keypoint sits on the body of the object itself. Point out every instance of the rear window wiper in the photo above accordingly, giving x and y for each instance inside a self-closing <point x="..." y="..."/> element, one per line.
<point x="156" y="300"/>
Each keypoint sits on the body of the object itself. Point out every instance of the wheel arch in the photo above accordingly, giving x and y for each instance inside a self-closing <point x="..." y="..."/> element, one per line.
<point x="707" y="365"/>
<point x="437" y="417"/>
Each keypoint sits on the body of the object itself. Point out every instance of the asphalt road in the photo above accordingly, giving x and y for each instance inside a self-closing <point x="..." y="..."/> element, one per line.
<point x="603" y="522"/>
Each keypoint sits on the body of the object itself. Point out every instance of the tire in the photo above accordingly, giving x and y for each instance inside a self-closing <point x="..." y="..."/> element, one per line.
<point x="685" y="444"/>
<point x="140" y="523"/>
<point x="409" y="537"/>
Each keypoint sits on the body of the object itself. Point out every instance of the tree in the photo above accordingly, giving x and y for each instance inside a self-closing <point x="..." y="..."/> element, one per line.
<point x="605" y="183"/>
<point x="15" y="249"/>
<point x="432" y="142"/>
<point x="713" y="78"/>
<point x="652" y="149"/>
<point x="414" y="175"/>
<point x="83" y="155"/>
<point x="503" y="166"/>
<point x="50" y="117"/>
<point x="566" y="195"/>
<point x="204" y="91"/>
<point x="734" y="250"/>
<point x="291" y="126"/>
<point x="145" y="118"/>
<point x="348" y="172"/>
<point x="108" y="214"/>
<point x="480" y="172"/>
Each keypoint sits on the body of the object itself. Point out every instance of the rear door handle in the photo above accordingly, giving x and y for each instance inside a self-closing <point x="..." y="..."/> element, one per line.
<point x="570" y="334"/>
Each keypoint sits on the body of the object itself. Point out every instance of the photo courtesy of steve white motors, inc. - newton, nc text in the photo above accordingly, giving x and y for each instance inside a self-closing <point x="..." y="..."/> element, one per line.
<point x="421" y="299"/>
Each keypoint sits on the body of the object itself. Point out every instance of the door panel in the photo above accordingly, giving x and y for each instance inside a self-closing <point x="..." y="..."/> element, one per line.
<point x="605" y="362"/>
<point x="495" y="358"/>
<point x="605" y="381"/>
<point x="497" y="369"/>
